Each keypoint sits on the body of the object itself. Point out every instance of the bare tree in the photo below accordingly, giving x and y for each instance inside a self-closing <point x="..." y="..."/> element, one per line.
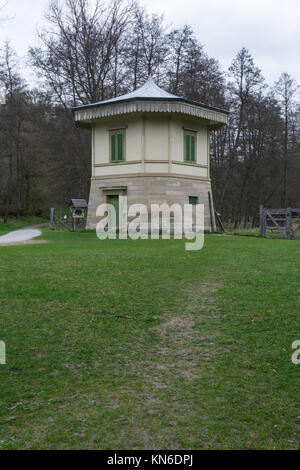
<point x="13" y="117"/>
<point x="246" y="81"/>
<point x="79" y="48"/>
<point x="180" y="42"/>
<point x="285" y="89"/>
<point x="2" y="6"/>
<point x="152" y="42"/>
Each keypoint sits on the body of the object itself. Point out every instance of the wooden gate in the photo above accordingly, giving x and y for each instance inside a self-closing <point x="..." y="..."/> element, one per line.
<point x="279" y="223"/>
<point x="64" y="219"/>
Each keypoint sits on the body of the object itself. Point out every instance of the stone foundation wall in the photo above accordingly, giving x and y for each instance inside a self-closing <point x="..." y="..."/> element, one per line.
<point x="151" y="190"/>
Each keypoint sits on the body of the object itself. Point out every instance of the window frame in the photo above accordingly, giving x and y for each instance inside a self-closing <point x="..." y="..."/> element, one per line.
<point x="117" y="132"/>
<point x="191" y="134"/>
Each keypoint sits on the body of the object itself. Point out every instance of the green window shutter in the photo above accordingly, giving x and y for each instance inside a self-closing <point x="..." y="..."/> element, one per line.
<point x="117" y="146"/>
<point x="190" y="147"/>
<point x="113" y="147"/>
<point x="187" y="147"/>
<point x="120" y="146"/>
<point x="193" y="148"/>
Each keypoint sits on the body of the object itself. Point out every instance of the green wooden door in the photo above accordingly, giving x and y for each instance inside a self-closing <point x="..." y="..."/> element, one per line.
<point x="114" y="201"/>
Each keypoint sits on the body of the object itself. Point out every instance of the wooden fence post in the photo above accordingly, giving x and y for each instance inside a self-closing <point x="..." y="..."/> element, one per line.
<point x="262" y="221"/>
<point x="212" y="220"/>
<point x="288" y="223"/>
<point x="51" y="216"/>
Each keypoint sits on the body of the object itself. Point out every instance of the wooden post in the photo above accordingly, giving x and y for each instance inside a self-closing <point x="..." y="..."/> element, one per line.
<point x="212" y="219"/>
<point x="262" y="221"/>
<point x="51" y="216"/>
<point x="288" y="225"/>
<point x="219" y="221"/>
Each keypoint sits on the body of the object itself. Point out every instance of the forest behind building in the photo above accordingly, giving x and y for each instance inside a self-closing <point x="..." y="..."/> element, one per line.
<point x="90" y="52"/>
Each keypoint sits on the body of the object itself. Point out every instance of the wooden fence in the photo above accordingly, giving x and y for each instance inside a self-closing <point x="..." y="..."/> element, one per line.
<point x="64" y="219"/>
<point x="279" y="223"/>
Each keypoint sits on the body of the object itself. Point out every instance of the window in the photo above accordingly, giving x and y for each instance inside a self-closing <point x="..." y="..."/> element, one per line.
<point x="117" y="145"/>
<point x="190" y="146"/>
<point x="193" y="200"/>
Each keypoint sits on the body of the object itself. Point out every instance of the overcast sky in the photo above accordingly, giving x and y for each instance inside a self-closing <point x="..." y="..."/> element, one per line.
<point x="268" y="28"/>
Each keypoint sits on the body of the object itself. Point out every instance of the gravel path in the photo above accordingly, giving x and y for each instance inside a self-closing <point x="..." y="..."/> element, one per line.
<point x="19" y="236"/>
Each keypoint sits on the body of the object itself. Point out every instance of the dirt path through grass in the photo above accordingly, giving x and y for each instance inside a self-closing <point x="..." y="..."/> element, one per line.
<point x="22" y="235"/>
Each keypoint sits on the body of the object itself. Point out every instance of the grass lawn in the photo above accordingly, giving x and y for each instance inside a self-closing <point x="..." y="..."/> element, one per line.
<point x="16" y="224"/>
<point x="143" y="345"/>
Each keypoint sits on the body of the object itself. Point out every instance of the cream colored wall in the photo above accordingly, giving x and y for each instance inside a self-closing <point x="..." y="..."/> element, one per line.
<point x="154" y="144"/>
<point x="116" y="169"/>
<point x="156" y="167"/>
<point x="189" y="170"/>
<point x="134" y="140"/>
<point x="101" y="144"/>
<point x="156" y="138"/>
